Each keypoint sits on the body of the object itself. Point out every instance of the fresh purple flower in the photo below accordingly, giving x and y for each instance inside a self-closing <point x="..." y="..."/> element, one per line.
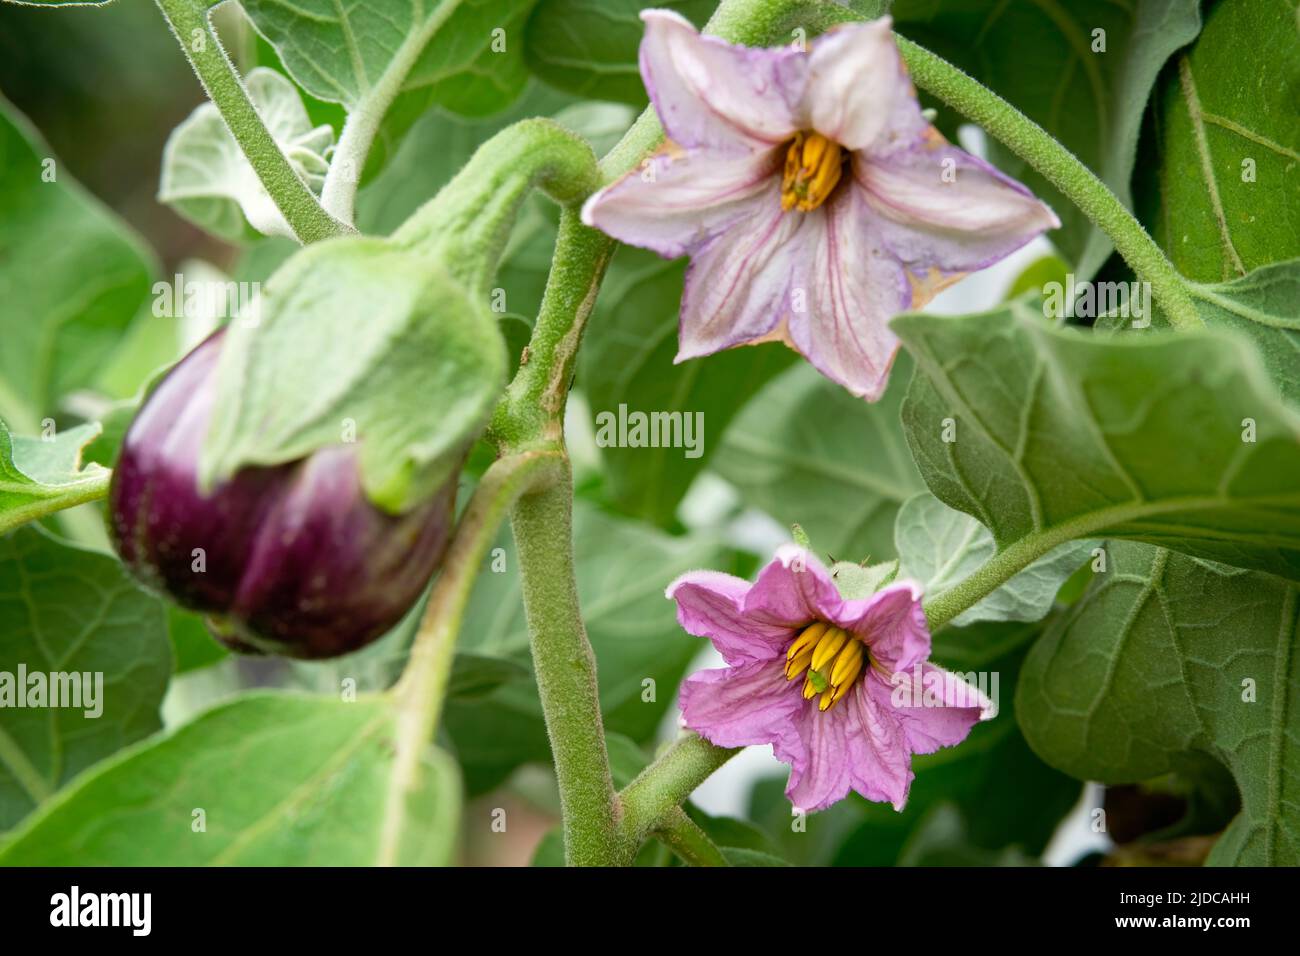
<point x="814" y="199"/>
<point x="841" y="688"/>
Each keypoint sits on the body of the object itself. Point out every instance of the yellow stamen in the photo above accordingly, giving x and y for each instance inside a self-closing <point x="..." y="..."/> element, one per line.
<point x="828" y="647"/>
<point x="849" y="664"/>
<point x="829" y="659"/>
<point x="807" y="640"/>
<point x="796" y="666"/>
<point x="813" y="165"/>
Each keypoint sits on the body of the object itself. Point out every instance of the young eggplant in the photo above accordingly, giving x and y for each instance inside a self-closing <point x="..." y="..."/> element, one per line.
<point x="292" y="559"/>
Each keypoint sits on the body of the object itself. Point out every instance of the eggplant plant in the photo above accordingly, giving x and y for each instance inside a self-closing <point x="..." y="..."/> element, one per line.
<point x="607" y="393"/>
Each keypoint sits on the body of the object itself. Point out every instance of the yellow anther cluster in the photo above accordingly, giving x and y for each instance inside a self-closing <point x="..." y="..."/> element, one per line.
<point x="830" y="657"/>
<point x="812" y="169"/>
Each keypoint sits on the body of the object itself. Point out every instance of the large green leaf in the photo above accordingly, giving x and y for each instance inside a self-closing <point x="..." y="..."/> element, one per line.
<point x="39" y="477"/>
<point x="1167" y="658"/>
<point x="1264" y="306"/>
<point x="627" y="365"/>
<point x="1042" y="57"/>
<point x="342" y="53"/>
<point x="275" y="779"/>
<point x="1228" y="147"/>
<point x="1058" y="433"/>
<point x="808" y="453"/>
<point x="72" y="277"/>
<point x="65" y="611"/>
<point x="623" y="568"/>
<point x="939" y="546"/>
<point x="589" y="47"/>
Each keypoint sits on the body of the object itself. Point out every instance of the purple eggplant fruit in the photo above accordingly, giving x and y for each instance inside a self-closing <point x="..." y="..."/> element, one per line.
<point x="292" y="559"/>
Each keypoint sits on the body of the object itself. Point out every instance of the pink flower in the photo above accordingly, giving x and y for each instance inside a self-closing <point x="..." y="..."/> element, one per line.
<point x="814" y="199"/>
<point x="840" y="688"/>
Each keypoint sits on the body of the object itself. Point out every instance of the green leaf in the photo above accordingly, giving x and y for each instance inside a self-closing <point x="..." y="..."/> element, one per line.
<point x="939" y="547"/>
<point x="1042" y="58"/>
<point x="743" y="856"/>
<point x="384" y="326"/>
<point x="39" y="477"/>
<point x="1059" y="434"/>
<point x="475" y="64"/>
<point x="589" y="47"/>
<point x="281" y="780"/>
<point x="627" y="369"/>
<point x="340" y="54"/>
<point x="72" y="277"/>
<point x="1265" y="306"/>
<point x="192" y="644"/>
<point x="1228" y="151"/>
<point x="207" y="179"/>
<point x="807" y="452"/>
<point x="622" y="567"/>
<point x="1166" y="660"/>
<point x="69" y="612"/>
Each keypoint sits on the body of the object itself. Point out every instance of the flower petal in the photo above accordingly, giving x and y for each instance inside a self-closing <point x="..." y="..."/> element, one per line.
<point x="892" y="624"/>
<point x="738" y="706"/>
<point x="710" y="604"/>
<point x="858" y="92"/>
<point x="712" y="94"/>
<point x="934" y="707"/>
<point x="738" y="284"/>
<point x="847" y="289"/>
<point x="793" y="590"/>
<point x="856" y="745"/>
<point x="683" y="200"/>
<point x="939" y="207"/>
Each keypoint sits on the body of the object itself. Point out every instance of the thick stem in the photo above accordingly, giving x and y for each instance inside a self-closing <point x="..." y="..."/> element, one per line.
<point x="661" y="787"/>
<point x="566" y="674"/>
<point x="296" y="202"/>
<point x="1062" y="169"/>
<point x="419" y="694"/>
<point x="467" y="224"/>
<point x="685" y="838"/>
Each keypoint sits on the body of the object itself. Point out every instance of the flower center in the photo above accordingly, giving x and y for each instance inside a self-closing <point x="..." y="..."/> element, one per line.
<point x="833" y="659"/>
<point x="812" y="169"/>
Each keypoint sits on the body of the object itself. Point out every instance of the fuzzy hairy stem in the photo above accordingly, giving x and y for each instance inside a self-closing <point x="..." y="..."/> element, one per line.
<point x="566" y="673"/>
<point x="307" y="218"/>
<point x="419" y="693"/>
<point x="661" y="788"/>
<point x="684" y="837"/>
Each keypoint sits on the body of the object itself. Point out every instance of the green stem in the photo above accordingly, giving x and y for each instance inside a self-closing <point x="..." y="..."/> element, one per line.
<point x="419" y="693"/>
<point x="685" y="837"/>
<point x="661" y="787"/>
<point x="309" y="221"/>
<point x="566" y="673"/>
<point x="1062" y="169"/>
<point x="466" y="226"/>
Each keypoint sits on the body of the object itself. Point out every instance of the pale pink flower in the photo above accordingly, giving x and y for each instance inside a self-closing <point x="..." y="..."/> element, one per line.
<point x="841" y="688"/>
<point x="813" y="198"/>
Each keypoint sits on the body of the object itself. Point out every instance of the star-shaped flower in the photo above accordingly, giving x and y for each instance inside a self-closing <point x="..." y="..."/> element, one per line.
<point x="841" y="688"/>
<point x="813" y="198"/>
